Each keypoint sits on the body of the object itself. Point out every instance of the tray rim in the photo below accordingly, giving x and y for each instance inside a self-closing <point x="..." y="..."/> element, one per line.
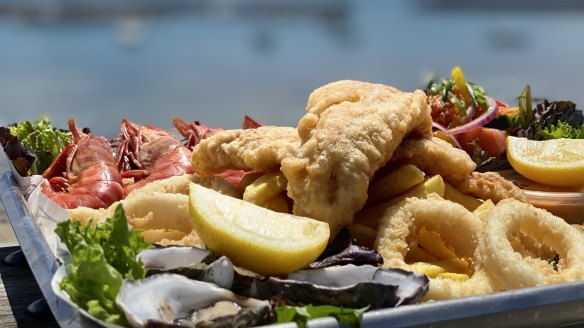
<point x="454" y="312"/>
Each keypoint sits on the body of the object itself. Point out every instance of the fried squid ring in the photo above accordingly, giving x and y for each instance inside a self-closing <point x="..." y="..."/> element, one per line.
<point x="459" y="228"/>
<point x="510" y="268"/>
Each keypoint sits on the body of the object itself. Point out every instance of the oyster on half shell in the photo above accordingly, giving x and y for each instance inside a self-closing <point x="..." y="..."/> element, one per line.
<point x="174" y="300"/>
<point x="171" y="257"/>
<point x="346" y="285"/>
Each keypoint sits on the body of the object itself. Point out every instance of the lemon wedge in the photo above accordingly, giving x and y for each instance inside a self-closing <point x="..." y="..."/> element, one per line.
<point x="261" y="240"/>
<point x="555" y="162"/>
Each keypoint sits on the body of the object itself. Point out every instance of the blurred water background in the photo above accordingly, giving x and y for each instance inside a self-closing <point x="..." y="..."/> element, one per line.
<point x="218" y="60"/>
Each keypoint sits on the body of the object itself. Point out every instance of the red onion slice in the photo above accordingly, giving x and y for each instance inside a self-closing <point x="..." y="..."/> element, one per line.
<point x="445" y="130"/>
<point x="470" y="113"/>
<point x="485" y="118"/>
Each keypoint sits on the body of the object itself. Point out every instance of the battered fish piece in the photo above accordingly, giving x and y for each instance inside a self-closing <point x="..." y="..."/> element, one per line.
<point x="435" y="157"/>
<point x="490" y="185"/>
<point x="351" y="129"/>
<point x="259" y="149"/>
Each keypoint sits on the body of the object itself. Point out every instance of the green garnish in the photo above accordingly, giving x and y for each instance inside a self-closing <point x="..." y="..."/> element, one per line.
<point x="40" y="138"/>
<point x="548" y="120"/>
<point x="102" y="257"/>
<point x="526" y="115"/>
<point x="561" y="130"/>
<point x="445" y="89"/>
<point x="300" y="315"/>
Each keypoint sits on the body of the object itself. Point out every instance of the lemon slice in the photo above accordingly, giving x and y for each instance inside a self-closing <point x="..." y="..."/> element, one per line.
<point x="556" y="162"/>
<point x="261" y="240"/>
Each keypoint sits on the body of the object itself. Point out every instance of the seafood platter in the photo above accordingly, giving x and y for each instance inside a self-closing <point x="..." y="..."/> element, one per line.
<point x="442" y="207"/>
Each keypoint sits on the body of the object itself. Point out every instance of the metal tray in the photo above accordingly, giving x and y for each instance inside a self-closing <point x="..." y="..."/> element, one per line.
<point x="556" y="305"/>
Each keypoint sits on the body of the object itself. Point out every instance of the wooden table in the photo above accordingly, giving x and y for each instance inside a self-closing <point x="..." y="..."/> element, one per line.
<point x="18" y="291"/>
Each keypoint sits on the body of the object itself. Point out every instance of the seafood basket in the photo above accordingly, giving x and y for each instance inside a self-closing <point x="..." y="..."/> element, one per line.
<point x="553" y="305"/>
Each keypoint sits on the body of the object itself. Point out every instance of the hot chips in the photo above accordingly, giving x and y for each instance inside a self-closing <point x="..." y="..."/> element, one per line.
<point x="278" y="203"/>
<point x="370" y="216"/>
<point x="434" y="244"/>
<point x="393" y="183"/>
<point x="453" y="194"/>
<point x="364" y="235"/>
<point x="264" y="188"/>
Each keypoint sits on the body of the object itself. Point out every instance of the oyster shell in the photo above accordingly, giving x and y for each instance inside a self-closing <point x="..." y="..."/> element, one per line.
<point x="220" y="272"/>
<point x="174" y="300"/>
<point x="191" y="262"/>
<point x="171" y="257"/>
<point x="346" y="285"/>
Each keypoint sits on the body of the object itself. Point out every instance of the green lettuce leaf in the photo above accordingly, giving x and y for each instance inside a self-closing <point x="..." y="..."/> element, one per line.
<point x="548" y="120"/>
<point x="43" y="140"/>
<point x="300" y="315"/>
<point x="102" y="257"/>
<point x="561" y="130"/>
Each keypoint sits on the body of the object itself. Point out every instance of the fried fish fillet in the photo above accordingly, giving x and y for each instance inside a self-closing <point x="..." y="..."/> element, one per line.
<point x="435" y="156"/>
<point x="490" y="185"/>
<point x="259" y="149"/>
<point x="350" y="130"/>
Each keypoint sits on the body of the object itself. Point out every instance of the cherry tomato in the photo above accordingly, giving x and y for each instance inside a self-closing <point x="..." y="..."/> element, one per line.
<point x="492" y="141"/>
<point x="466" y="138"/>
<point x="501" y="103"/>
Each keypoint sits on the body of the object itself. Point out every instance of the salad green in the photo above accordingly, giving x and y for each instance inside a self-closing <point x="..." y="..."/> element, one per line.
<point x="37" y="142"/>
<point x="548" y="120"/>
<point x="301" y="314"/>
<point x="102" y="257"/>
<point x="445" y="89"/>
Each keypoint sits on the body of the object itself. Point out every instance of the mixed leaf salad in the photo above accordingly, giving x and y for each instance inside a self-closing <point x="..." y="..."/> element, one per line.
<point x="32" y="146"/>
<point x="467" y="117"/>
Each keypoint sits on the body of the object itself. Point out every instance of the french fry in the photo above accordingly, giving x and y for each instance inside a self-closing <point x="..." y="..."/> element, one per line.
<point x="429" y="269"/>
<point x="455" y="265"/>
<point x="393" y="183"/>
<point x="248" y="179"/>
<point x="364" y="235"/>
<point x="482" y="210"/>
<point x="453" y="194"/>
<point x="370" y="216"/>
<point x="265" y="187"/>
<point x="278" y="203"/>
<point x="453" y="276"/>
<point x="417" y="254"/>
<point x="432" y="243"/>
<point x="455" y="269"/>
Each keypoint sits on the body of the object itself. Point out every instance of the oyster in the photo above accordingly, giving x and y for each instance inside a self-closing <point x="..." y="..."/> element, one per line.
<point x="191" y="262"/>
<point x="171" y="257"/>
<point x="344" y="250"/>
<point x="174" y="300"/>
<point x="220" y="272"/>
<point x="346" y="285"/>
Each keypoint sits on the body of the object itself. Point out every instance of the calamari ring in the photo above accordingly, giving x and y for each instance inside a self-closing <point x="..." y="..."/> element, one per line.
<point x="459" y="228"/>
<point x="508" y="267"/>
